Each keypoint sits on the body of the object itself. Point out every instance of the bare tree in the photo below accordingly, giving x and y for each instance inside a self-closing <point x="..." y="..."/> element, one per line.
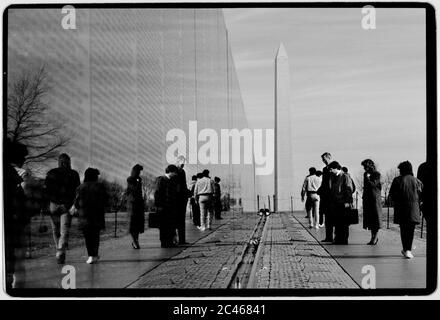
<point x="114" y="191"/>
<point x="388" y="178"/>
<point x="359" y="182"/>
<point x="29" y="120"/>
<point x="148" y="186"/>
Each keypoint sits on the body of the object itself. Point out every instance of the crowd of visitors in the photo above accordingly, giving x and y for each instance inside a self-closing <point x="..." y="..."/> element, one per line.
<point x="329" y="193"/>
<point x="328" y="196"/>
<point x="66" y="197"/>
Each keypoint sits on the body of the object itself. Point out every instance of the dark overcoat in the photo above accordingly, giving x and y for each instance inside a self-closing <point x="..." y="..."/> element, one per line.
<point x="91" y="199"/>
<point x="405" y="192"/>
<point x="341" y="192"/>
<point x="166" y="201"/>
<point x="135" y="205"/>
<point x="371" y="201"/>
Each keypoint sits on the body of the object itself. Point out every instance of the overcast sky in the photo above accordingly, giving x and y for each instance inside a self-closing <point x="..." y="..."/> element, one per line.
<point x="355" y="93"/>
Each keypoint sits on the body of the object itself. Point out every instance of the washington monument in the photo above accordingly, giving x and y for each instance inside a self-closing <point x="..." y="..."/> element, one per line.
<point x="283" y="175"/>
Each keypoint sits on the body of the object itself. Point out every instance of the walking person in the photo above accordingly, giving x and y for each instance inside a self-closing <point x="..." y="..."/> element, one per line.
<point x="91" y="199"/>
<point x="310" y="189"/>
<point x="182" y="199"/>
<point x="61" y="184"/>
<point x="371" y="200"/>
<point x="204" y="190"/>
<point x="405" y="192"/>
<point x="324" y="194"/>
<point x="217" y="199"/>
<point x="165" y="200"/>
<point x="341" y="197"/>
<point x="16" y="217"/>
<point x="135" y="205"/>
<point x="194" y="206"/>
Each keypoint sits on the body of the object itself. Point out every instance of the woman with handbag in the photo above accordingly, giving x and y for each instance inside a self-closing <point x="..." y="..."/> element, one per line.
<point x="135" y="205"/>
<point x="371" y="200"/>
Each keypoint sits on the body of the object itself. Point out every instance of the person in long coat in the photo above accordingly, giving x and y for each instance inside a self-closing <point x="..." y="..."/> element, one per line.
<point x="135" y="205"/>
<point x="340" y="197"/>
<point x="91" y="199"/>
<point x="194" y="206"/>
<point x="166" y="201"/>
<point x="405" y="192"/>
<point x="371" y="200"/>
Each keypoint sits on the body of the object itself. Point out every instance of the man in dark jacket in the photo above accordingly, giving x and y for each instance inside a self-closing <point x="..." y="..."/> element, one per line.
<point x="182" y="199"/>
<point x="165" y="201"/>
<point x="324" y="206"/>
<point x="61" y="184"/>
<point x="340" y="198"/>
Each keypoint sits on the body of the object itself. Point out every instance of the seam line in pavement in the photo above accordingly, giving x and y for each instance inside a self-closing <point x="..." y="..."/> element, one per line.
<point x="240" y="261"/>
<point x="336" y="260"/>
<point x="261" y="245"/>
<point x="169" y="258"/>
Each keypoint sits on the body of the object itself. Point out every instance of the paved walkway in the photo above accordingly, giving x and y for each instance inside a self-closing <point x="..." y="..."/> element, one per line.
<point x="120" y="265"/>
<point x="289" y="256"/>
<point x="392" y="270"/>
<point x="208" y="264"/>
<point x="292" y="258"/>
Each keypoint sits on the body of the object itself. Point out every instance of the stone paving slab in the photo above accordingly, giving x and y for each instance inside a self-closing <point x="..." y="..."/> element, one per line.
<point x="292" y="258"/>
<point x="119" y="265"/>
<point x="392" y="271"/>
<point x="209" y="263"/>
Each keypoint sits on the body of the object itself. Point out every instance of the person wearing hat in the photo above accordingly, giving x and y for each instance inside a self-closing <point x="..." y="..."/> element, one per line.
<point x="135" y="205"/>
<point x="166" y="202"/>
<point x="341" y="196"/>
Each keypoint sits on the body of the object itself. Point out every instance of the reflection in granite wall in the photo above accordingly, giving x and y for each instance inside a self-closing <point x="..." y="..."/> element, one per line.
<point x="124" y="77"/>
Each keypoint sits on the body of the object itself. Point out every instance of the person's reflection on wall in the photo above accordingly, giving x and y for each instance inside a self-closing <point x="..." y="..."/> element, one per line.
<point x="16" y="217"/>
